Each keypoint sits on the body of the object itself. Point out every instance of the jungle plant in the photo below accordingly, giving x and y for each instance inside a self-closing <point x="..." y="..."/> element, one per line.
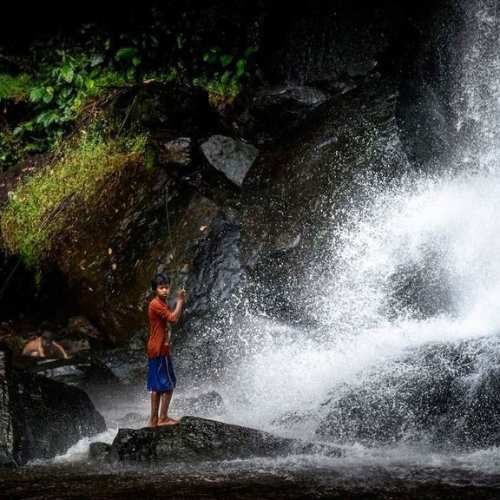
<point x="225" y="73"/>
<point x="59" y="93"/>
<point x="14" y="87"/>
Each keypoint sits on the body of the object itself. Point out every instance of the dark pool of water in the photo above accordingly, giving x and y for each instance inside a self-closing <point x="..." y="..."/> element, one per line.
<point x="253" y="479"/>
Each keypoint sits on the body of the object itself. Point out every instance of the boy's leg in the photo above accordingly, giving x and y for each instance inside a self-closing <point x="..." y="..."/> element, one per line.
<point x="166" y="397"/>
<point x="155" y="403"/>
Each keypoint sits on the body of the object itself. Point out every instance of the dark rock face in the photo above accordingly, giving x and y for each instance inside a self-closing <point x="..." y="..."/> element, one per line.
<point x="80" y="326"/>
<point x="328" y="40"/>
<point x="216" y="270"/>
<point x="278" y="109"/>
<point x="350" y="145"/>
<point x="40" y="418"/>
<point x="426" y="115"/>
<point x="446" y="395"/>
<point x="214" y="281"/>
<point x="124" y="366"/>
<point x="99" y="452"/>
<point x="195" y="439"/>
<point x="231" y="157"/>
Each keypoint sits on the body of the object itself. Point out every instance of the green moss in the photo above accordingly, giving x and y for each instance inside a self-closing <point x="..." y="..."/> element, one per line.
<point x="16" y="88"/>
<point x="10" y="148"/>
<point x="219" y="90"/>
<point x="41" y="206"/>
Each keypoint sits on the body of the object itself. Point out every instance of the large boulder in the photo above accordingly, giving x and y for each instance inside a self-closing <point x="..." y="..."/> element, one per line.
<point x="40" y="418"/>
<point x="444" y="394"/>
<point x="347" y="147"/>
<point x="230" y="156"/>
<point x="196" y="439"/>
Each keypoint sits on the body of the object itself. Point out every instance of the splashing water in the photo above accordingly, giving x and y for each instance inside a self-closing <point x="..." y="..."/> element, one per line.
<point x="415" y="266"/>
<point x="442" y="237"/>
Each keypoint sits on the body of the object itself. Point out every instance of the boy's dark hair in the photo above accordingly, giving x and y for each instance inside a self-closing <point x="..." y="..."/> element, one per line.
<point x="47" y="338"/>
<point x="47" y="335"/>
<point x="159" y="279"/>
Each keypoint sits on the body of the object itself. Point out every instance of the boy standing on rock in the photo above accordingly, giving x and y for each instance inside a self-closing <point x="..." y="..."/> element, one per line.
<point x="161" y="377"/>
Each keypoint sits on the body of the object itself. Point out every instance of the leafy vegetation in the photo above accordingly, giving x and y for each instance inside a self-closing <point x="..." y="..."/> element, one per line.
<point x="58" y="92"/>
<point x="225" y="73"/>
<point x="65" y="82"/>
<point x="40" y="206"/>
<point x="15" y="88"/>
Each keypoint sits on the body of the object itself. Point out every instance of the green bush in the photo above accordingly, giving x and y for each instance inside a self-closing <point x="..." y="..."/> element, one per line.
<point x="61" y="90"/>
<point x="15" y="88"/>
<point x="225" y="73"/>
<point x="58" y="91"/>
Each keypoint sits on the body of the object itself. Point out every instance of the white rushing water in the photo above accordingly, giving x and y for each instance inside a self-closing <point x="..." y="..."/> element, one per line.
<point x="448" y="225"/>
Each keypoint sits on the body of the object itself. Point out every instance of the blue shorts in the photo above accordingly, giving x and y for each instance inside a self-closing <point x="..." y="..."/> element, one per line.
<point x="161" y="375"/>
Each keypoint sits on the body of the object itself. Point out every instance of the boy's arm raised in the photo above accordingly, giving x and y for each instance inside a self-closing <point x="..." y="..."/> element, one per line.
<point x="163" y="311"/>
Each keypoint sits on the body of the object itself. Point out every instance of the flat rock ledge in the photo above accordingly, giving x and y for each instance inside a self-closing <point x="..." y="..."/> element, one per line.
<point x="196" y="439"/>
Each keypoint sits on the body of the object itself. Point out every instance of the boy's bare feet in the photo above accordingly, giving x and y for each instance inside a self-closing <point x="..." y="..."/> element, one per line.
<point x="167" y="421"/>
<point x="152" y="422"/>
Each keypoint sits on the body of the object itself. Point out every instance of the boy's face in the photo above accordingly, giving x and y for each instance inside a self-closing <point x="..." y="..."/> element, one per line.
<point x="163" y="290"/>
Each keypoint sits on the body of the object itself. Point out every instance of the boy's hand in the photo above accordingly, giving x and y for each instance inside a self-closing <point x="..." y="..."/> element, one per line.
<point x="181" y="294"/>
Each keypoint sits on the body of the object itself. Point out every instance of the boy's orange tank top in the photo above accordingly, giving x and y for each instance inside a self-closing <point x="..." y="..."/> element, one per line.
<point x="159" y="315"/>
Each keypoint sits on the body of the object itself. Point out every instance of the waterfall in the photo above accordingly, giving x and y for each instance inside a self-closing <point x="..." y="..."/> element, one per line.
<point x="408" y="299"/>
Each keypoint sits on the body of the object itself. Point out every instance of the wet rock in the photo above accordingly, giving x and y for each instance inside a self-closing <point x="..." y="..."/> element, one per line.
<point x="124" y="365"/>
<point x="196" y="439"/>
<point x="279" y="108"/>
<point x="231" y="157"/>
<point x="443" y="394"/>
<point x="213" y="283"/>
<point x="80" y="326"/>
<point x="73" y="347"/>
<point x="288" y="96"/>
<point x="99" y="452"/>
<point x="40" y="418"/>
<point x="177" y="152"/>
<point x="68" y="374"/>
<point x="305" y="186"/>
<point x="216" y="269"/>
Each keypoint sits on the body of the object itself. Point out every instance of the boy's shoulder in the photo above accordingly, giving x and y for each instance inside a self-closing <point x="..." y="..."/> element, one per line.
<point x="152" y="302"/>
<point x="156" y="303"/>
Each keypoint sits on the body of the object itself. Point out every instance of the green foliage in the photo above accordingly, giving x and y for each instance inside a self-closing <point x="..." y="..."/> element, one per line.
<point x="64" y="84"/>
<point x="11" y="148"/>
<point x="15" y="88"/>
<point x="59" y="90"/>
<point x="225" y="73"/>
<point x="41" y="205"/>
